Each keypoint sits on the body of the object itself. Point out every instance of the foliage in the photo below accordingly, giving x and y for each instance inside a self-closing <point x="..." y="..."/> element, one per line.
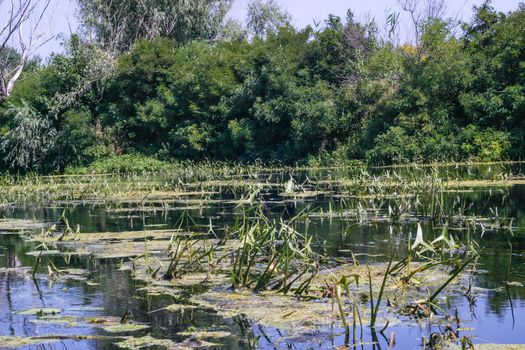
<point x="276" y="94"/>
<point x="29" y="140"/>
<point x="265" y="17"/>
<point x="118" y="24"/>
<point x="124" y="164"/>
<point x="484" y="145"/>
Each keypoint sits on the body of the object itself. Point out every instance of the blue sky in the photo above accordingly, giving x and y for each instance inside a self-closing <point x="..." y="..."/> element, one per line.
<point x="303" y="12"/>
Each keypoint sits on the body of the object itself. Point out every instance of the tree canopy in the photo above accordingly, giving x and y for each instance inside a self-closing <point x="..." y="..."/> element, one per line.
<point x="342" y="91"/>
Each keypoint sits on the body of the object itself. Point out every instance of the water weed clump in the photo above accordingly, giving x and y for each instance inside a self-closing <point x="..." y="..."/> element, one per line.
<point x="272" y="255"/>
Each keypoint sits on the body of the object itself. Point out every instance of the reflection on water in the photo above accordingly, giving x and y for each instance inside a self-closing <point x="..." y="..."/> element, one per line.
<point x="498" y="315"/>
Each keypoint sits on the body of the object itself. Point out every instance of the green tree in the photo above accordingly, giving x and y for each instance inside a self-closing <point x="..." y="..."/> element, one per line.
<point x="496" y="45"/>
<point x="29" y="140"/>
<point x="118" y="24"/>
<point x="265" y="17"/>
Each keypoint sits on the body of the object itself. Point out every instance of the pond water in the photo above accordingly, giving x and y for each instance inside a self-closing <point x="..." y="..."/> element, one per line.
<point x="103" y="289"/>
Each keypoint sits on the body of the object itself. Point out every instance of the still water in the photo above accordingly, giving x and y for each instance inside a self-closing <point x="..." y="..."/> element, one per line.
<point x="497" y="315"/>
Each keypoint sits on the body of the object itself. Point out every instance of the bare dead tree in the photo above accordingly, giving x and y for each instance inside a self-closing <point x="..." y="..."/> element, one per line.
<point x="358" y="43"/>
<point x="420" y="12"/>
<point x="20" y="37"/>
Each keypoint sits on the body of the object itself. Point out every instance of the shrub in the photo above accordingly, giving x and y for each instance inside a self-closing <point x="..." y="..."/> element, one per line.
<point x="394" y="147"/>
<point x="484" y="145"/>
<point x="124" y="164"/>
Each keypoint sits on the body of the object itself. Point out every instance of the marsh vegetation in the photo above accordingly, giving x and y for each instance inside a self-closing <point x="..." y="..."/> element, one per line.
<point x="253" y="257"/>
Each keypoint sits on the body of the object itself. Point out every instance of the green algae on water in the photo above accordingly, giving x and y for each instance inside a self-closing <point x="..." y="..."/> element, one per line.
<point x="137" y="343"/>
<point x="40" y="311"/>
<point x="124" y="327"/>
<point x="12" y="342"/>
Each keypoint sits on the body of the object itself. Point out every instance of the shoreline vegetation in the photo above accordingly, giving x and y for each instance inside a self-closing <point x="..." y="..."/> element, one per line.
<point x="339" y="92"/>
<point x="134" y="164"/>
<point x="199" y="183"/>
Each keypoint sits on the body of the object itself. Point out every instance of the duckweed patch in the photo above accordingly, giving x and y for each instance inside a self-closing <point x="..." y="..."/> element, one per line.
<point x="12" y="342"/>
<point x="145" y="342"/>
<point x="136" y="343"/>
<point x="284" y="312"/>
<point x="123" y="327"/>
<point x="56" y="319"/>
<point x="205" y="334"/>
<point x="40" y="311"/>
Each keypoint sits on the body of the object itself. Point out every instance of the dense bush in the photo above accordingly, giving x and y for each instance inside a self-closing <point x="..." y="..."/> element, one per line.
<point x="319" y="97"/>
<point x="129" y="163"/>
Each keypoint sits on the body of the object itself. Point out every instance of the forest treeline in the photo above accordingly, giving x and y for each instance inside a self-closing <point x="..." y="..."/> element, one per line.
<point x="202" y="87"/>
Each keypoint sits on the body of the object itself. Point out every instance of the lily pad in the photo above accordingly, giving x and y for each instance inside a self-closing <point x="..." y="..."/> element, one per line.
<point x="270" y="310"/>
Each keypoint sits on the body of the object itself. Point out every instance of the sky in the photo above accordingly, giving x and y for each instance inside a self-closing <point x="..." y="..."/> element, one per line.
<point x="304" y="12"/>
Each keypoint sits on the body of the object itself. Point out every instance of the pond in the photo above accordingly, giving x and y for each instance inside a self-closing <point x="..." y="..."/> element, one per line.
<point x="88" y="293"/>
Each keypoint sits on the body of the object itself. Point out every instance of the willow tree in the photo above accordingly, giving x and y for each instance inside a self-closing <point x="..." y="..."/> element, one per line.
<point x="117" y="24"/>
<point x="265" y="16"/>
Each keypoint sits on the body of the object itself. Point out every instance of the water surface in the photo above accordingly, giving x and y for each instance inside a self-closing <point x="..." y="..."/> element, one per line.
<point x="497" y="316"/>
